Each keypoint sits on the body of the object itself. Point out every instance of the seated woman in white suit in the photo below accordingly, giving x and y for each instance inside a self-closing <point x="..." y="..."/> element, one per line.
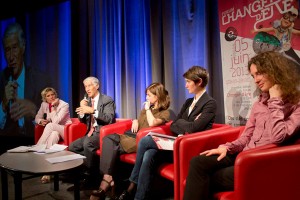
<point x="54" y="115"/>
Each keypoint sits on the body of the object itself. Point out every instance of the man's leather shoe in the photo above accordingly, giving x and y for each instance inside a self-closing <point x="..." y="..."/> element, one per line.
<point x="125" y="196"/>
<point x="84" y="185"/>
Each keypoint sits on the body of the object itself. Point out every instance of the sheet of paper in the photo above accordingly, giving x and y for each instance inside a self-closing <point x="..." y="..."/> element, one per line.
<point x="64" y="158"/>
<point x="163" y="143"/>
<point x="54" y="148"/>
<point x="20" y="149"/>
<point x="162" y="135"/>
<point x="59" y="147"/>
<point x="38" y="148"/>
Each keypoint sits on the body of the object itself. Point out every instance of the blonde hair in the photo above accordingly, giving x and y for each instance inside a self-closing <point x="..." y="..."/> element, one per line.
<point x="45" y="91"/>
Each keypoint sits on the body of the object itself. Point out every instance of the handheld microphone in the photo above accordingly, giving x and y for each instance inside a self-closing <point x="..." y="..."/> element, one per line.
<point x="10" y="73"/>
<point x="85" y="96"/>
<point x="45" y="116"/>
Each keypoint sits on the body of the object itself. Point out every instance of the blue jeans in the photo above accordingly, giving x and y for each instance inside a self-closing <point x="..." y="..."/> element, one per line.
<point x="144" y="167"/>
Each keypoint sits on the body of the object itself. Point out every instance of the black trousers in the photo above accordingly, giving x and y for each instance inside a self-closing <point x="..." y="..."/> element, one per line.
<point x="207" y="175"/>
<point x="88" y="146"/>
<point x="111" y="149"/>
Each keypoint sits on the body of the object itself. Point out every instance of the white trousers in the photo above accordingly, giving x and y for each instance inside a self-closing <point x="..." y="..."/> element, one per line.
<point x="51" y="134"/>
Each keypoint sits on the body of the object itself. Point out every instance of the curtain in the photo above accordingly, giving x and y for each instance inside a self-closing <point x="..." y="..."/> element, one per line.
<point x="133" y="43"/>
<point x="118" y="50"/>
<point x="127" y="44"/>
<point x="48" y="45"/>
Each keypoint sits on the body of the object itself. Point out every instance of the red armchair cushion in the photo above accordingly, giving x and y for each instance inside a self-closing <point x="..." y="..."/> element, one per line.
<point x="128" y="158"/>
<point x="166" y="170"/>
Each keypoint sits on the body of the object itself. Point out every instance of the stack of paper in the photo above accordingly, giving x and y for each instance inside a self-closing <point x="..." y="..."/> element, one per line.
<point x="65" y="158"/>
<point x="22" y="149"/>
<point x="38" y="149"/>
<point x="163" y="141"/>
<point x="54" y="148"/>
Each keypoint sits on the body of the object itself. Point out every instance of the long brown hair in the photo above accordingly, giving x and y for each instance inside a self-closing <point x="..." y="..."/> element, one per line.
<point x="280" y="70"/>
<point x="162" y="94"/>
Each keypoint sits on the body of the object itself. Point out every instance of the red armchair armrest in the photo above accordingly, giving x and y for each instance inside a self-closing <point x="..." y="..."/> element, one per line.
<point x="269" y="172"/>
<point x="77" y="129"/>
<point x="166" y="170"/>
<point x="163" y="129"/>
<point x="74" y="131"/>
<point x="191" y="145"/>
<point x="38" y="131"/>
<point x="119" y="127"/>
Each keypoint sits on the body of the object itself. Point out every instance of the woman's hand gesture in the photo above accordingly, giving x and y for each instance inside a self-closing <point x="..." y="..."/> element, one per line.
<point x="221" y="151"/>
<point x="135" y="126"/>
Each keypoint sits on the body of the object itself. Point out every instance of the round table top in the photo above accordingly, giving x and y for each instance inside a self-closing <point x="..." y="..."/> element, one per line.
<point x="33" y="163"/>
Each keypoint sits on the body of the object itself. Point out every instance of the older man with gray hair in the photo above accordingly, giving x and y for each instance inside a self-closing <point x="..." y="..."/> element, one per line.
<point x="96" y="110"/>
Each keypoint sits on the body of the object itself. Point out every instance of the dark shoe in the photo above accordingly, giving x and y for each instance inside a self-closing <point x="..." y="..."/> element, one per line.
<point x="84" y="185"/>
<point x="101" y="193"/>
<point x="98" y="194"/>
<point x="125" y="196"/>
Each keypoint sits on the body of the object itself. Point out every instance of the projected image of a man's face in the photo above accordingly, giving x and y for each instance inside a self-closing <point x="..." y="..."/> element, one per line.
<point x="14" y="51"/>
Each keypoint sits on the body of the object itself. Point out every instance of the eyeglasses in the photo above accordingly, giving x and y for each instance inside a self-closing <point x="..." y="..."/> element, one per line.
<point x="289" y="16"/>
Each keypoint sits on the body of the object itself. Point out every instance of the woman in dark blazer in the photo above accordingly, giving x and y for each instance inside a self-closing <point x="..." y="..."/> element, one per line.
<point x="197" y="114"/>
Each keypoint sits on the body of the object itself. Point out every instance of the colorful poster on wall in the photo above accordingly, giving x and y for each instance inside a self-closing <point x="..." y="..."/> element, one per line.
<point x="248" y="27"/>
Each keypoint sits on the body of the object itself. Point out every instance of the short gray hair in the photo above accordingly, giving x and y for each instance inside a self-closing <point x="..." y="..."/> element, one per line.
<point x="94" y="80"/>
<point x="15" y="28"/>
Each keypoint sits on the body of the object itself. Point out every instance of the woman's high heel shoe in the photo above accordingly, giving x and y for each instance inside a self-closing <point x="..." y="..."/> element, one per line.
<point x="101" y="193"/>
<point x="45" y="179"/>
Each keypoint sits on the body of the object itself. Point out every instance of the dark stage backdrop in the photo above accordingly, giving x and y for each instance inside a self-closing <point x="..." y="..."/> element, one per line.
<point x="127" y="44"/>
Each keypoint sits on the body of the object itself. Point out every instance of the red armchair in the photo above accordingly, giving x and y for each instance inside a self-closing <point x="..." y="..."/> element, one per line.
<point x="72" y="131"/>
<point x="114" y="128"/>
<point x="163" y="129"/>
<point x="120" y="128"/>
<point x="187" y="147"/>
<point x="166" y="170"/>
<point x="267" y="172"/>
<point x="80" y="128"/>
<point x="77" y="130"/>
<point x="171" y="171"/>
